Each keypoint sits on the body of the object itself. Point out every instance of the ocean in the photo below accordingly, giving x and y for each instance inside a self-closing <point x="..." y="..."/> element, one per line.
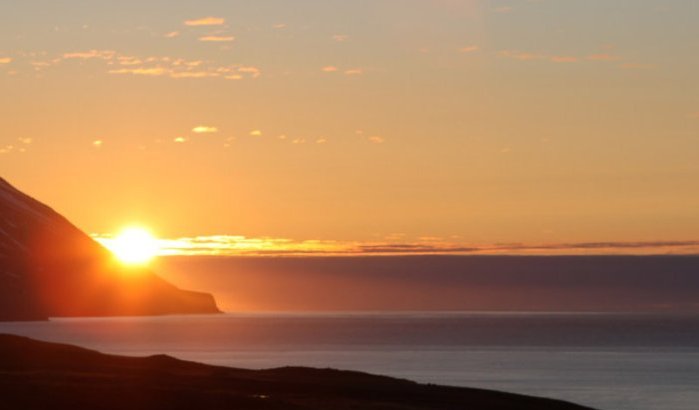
<point x="606" y="361"/>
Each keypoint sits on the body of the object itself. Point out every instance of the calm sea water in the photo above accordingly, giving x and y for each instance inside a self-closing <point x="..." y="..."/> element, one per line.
<point x="607" y="361"/>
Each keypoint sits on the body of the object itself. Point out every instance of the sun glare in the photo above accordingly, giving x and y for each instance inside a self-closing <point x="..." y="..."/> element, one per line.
<point x="134" y="246"/>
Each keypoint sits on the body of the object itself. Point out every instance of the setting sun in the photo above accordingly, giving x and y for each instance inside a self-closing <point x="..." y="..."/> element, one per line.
<point x="134" y="246"/>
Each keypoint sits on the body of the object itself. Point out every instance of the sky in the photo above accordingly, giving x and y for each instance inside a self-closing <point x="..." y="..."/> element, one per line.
<point x="361" y="127"/>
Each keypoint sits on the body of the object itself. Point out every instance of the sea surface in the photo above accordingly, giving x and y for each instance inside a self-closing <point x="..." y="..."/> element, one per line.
<point x="606" y="361"/>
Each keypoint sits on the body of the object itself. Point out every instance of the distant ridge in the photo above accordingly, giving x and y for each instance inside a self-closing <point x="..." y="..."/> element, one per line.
<point x="41" y="375"/>
<point x="49" y="267"/>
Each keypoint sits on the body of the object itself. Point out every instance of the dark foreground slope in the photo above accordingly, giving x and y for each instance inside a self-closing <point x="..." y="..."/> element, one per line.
<point x="49" y="267"/>
<point x="41" y="375"/>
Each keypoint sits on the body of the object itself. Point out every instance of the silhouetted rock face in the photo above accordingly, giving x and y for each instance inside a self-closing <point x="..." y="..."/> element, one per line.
<point x="48" y="267"/>
<point x="40" y="375"/>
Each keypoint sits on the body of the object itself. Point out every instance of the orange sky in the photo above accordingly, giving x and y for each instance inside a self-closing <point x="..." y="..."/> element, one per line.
<point x="460" y="123"/>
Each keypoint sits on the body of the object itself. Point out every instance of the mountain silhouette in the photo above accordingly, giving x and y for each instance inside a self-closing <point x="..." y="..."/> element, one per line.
<point x="50" y="268"/>
<point x="41" y="375"/>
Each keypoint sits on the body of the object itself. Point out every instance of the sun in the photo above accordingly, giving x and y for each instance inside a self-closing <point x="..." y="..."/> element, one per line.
<point x="134" y="246"/>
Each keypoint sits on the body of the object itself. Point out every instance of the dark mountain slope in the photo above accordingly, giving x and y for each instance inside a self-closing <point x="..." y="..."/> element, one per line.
<point x="40" y="375"/>
<point x="49" y="267"/>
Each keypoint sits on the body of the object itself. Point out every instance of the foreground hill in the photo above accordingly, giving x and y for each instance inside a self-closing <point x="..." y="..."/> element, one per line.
<point x="41" y="375"/>
<point x="49" y="267"/>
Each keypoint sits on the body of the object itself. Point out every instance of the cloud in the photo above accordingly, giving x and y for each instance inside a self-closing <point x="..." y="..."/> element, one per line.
<point x="237" y="245"/>
<point x="204" y="129"/>
<point x="217" y="39"/>
<point x="329" y="69"/>
<point x="340" y="38"/>
<point x="128" y="60"/>
<point x="354" y="71"/>
<point x="171" y="34"/>
<point x="254" y="71"/>
<point x="522" y="56"/>
<point x="564" y="59"/>
<point x="5" y="60"/>
<point x="192" y="63"/>
<point x="279" y="26"/>
<point x="603" y="57"/>
<point x="85" y="55"/>
<point x="193" y="74"/>
<point x="598" y="57"/>
<point x="321" y="140"/>
<point x="469" y="49"/>
<point x="153" y="66"/>
<point x="97" y="143"/>
<point x="376" y="139"/>
<point x="256" y="133"/>
<point x="205" y="21"/>
<point x="152" y="71"/>
<point x="25" y="141"/>
<point x="38" y="65"/>
<point x="180" y="139"/>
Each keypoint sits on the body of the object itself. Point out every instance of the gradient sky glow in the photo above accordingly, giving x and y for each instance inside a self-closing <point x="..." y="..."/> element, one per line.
<point x="398" y="121"/>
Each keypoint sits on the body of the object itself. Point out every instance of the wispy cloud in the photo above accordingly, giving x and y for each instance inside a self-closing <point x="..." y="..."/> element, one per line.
<point x="204" y="129"/>
<point x="329" y="69"/>
<point x="174" y="67"/>
<point x="206" y="21"/>
<point x="256" y="133"/>
<point x="564" y="59"/>
<point x="85" y="55"/>
<point x="217" y="39"/>
<point x="354" y="71"/>
<point x="340" y="38"/>
<point x="171" y="34"/>
<point x="129" y="60"/>
<point x="469" y="49"/>
<point x="603" y="57"/>
<point x="376" y="139"/>
<point x="520" y="55"/>
<point x="254" y="71"/>
<point x="238" y="245"/>
<point x="152" y="71"/>
<point x="533" y="56"/>
<point x="193" y="74"/>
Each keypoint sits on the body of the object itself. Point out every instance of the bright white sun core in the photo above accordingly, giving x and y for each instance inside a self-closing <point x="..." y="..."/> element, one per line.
<point x="134" y="246"/>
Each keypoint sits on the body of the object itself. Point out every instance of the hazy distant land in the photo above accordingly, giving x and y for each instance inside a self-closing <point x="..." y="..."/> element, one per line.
<point x="439" y="282"/>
